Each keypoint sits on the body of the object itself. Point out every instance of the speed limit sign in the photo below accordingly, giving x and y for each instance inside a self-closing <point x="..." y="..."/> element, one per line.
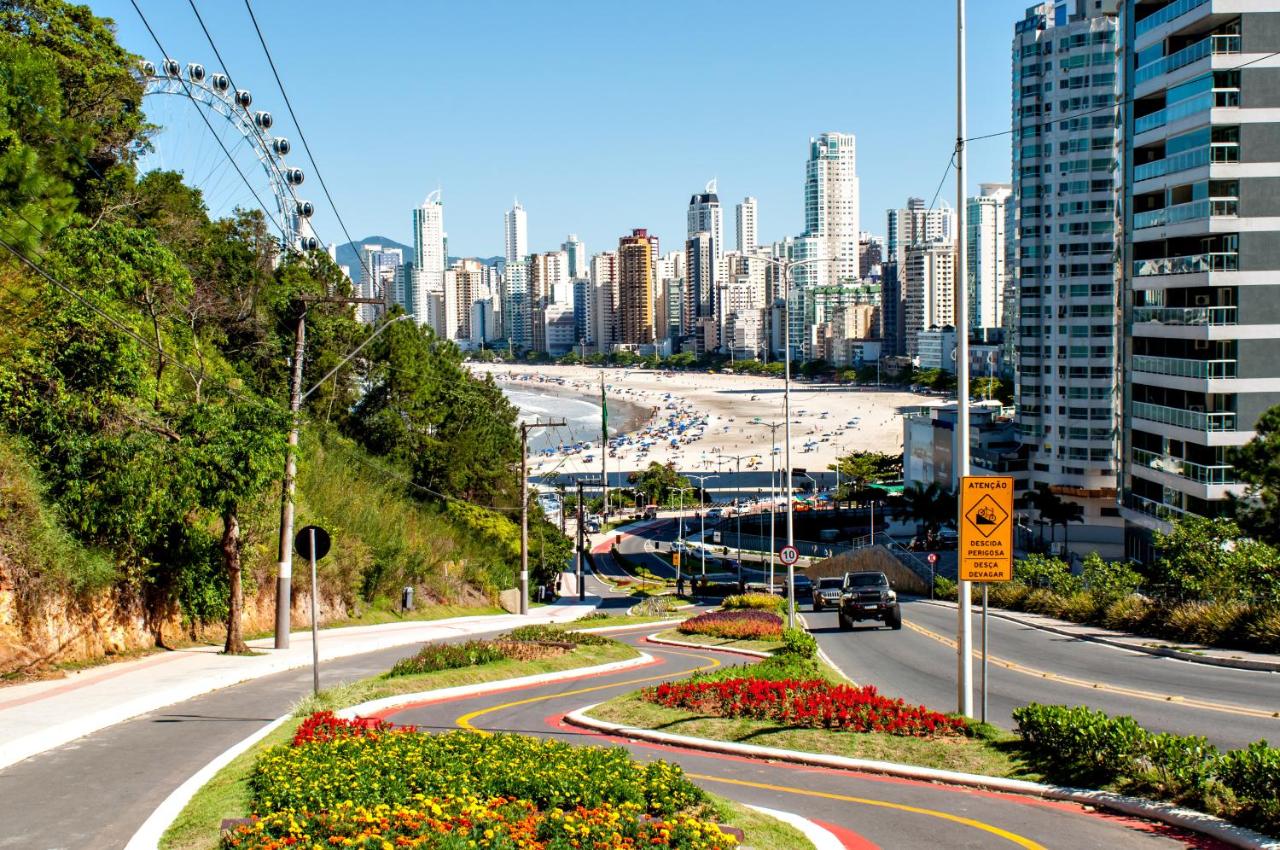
<point x="788" y="555"/>
<point x="933" y="557"/>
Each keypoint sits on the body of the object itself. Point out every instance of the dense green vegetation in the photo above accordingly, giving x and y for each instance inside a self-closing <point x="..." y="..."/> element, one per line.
<point x="144" y="370"/>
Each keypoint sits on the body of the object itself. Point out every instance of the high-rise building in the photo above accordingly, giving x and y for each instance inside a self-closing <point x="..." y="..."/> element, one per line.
<point x="636" y="255"/>
<point x="917" y="223"/>
<point x="465" y="284"/>
<point x="706" y="216"/>
<point x="604" y="282"/>
<point x="831" y="202"/>
<point x="748" y="226"/>
<point x="576" y="256"/>
<point x="870" y="256"/>
<point x="379" y="278"/>
<point x="892" y="309"/>
<point x="515" y="227"/>
<point x="428" y="256"/>
<point x="700" y="279"/>
<point x="516" y="317"/>
<point x="1201" y="268"/>
<point x="584" y="311"/>
<point x="929" y="292"/>
<point x="986" y="253"/>
<point x="1065" y="111"/>
<point x="548" y="285"/>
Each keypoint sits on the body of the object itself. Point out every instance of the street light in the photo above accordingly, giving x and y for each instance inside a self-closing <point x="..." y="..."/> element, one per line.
<point x="680" y="532"/>
<point x="702" y="516"/>
<point x="773" y="492"/>
<point x="738" y="509"/>
<point x="786" y="266"/>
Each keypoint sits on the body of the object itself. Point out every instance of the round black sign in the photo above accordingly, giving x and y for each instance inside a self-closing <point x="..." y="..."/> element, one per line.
<point x="302" y="542"/>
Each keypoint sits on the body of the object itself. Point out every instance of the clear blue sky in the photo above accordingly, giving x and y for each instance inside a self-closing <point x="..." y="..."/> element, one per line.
<point x="603" y="116"/>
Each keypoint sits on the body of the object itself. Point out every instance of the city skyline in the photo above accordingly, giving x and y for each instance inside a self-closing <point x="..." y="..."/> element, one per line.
<point x="569" y="169"/>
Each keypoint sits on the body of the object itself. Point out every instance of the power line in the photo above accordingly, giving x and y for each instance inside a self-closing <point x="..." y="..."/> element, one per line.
<point x="950" y="164"/>
<point x="227" y="70"/>
<point x="301" y="135"/>
<point x="207" y="123"/>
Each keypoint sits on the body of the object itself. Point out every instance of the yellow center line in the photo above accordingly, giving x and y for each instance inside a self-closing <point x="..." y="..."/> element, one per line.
<point x="465" y="720"/>
<point x="883" y="804"/>
<point x="1153" y="696"/>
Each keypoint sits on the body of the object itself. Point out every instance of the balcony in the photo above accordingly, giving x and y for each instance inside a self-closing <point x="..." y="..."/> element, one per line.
<point x="1218" y="261"/>
<point x="1174" y="10"/>
<point x="1214" y="44"/>
<point x="1192" y="420"/>
<point x="1179" y="367"/>
<point x="1175" y="112"/>
<point x="1217" y="152"/>
<point x="1186" y="316"/>
<point x="1203" y="208"/>
<point x="1197" y="472"/>
<point x="1152" y="508"/>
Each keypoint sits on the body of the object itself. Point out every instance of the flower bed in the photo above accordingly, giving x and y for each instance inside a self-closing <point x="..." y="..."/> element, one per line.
<point x="806" y="703"/>
<point x="753" y="601"/>
<point x="735" y="625"/>
<point x="365" y="763"/>
<point x="526" y="643"/>
<point x="456" y="822"/>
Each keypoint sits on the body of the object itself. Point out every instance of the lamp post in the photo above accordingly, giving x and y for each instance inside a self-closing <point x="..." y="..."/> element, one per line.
<point x="737" y="459"/>
<point x="702" y="517"/>
<point x="680" y="531"/>
<point x="773" y="492"/>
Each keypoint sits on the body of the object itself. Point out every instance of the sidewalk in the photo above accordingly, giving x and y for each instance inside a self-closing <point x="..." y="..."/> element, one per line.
<point x="42" y="715"/>
<point x="1194" y="652"/>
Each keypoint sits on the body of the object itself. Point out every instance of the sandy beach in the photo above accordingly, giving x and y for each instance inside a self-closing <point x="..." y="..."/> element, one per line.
<point x="717" y="412"/>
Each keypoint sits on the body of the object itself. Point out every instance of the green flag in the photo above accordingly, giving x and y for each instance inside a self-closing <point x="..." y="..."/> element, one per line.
<point x="604" y="413"/>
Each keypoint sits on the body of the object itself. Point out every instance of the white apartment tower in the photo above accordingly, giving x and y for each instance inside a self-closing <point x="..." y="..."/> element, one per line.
<point x="428" y="257"/>
<point x="1065" y="153"/>
<point x="379" y="278"/>
<point x="986" y="253"/>
<point x="515" y="227"/>
<point x="748" y="226"/>
<point x="706" y="216"/>
<point x="831" y="201"/>
<point x="929" y="290"/>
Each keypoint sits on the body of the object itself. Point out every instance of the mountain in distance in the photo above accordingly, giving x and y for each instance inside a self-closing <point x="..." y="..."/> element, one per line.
<point x="349" y="253"/>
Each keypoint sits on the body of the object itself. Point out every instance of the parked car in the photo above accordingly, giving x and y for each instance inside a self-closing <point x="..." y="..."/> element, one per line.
<point x="651" y="512"/>
<point x="868" y="596"/>
<point x="715" y="513"/>
<point x="827" y="592"/>
<point x="592" y="525"/>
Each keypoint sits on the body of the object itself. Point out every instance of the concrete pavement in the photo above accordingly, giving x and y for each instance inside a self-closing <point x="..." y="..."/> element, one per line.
<point x="39" y="716"/>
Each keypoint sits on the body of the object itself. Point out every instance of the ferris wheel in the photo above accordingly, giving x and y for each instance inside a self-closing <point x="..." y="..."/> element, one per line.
<point x="229" y="152"/>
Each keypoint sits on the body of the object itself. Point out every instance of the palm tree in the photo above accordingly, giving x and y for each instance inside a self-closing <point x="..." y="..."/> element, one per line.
<point x="1054" y="510"/>
<point x="931" y="506"/>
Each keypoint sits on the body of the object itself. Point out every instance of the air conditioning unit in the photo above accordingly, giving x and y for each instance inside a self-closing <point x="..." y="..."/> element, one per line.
<point x="1202" y="300"/>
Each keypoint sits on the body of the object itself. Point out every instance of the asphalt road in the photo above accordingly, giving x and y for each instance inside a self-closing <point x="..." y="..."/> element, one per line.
<point x="1230" y="707"/>
<point x="867" y="811"/>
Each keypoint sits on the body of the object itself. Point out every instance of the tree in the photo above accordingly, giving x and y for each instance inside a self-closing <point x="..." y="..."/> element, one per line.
<point x="1210" y="560"/>
<point x="982" y="389"/>
<point x="860" y="468"/>
<point x="658" y="482"/>
<point x="1053" y="509"/>
<point x="229" y="456"/>
<point x="931" y="506"/>
<point x="1257" y="463"/>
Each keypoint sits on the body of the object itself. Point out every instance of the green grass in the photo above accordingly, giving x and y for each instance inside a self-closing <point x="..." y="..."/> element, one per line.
<point x="722" y="643"/>
<point x="990" y="756"/>
<point x="762" y="832"/>
<point x="227" y="794"/>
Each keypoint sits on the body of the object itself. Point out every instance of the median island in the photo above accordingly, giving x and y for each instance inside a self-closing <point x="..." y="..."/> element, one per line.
<point x="328" y="779"/>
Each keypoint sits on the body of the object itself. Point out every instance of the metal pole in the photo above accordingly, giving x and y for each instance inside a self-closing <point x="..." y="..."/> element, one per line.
<point x="604" y="451"/>
<point x="786" y="411"/>
<point x="983" y="716"/>
<point x="315" y="628"/>
<point x="582" y="590"/>
<point x="284" y="563"/>
<point x="739" y="512"/>
<point x="773" y="502"/>
<point x="524" y="518"/>
<point x="964" y="641"/>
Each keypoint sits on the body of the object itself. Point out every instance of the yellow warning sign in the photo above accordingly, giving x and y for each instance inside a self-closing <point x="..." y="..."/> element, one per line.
<point x="986" y="528"/>
<point x="675" y="559"/>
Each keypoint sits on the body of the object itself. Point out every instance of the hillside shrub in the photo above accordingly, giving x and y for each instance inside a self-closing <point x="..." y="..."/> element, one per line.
<point x="1040" y="571"/>
<point x="945" y="588"/>
<point x="1079" y="744"/>
<point x="1131" y="613"/>
<point x="448" y="656"/>
<point x="1262" y="628"/>
<point x="548" y="632"/>
<point x="654" y="606"/>
<point x="1252" y="776"/>
<point x="735" y="625"/>
<point x="1109" y="580"/>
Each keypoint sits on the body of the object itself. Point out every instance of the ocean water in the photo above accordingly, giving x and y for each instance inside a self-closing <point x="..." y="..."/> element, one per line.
<point x="582" y="418"/>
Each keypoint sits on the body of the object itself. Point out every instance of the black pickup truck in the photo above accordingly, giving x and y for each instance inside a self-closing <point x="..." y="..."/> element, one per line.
<point x="868" y="596"/>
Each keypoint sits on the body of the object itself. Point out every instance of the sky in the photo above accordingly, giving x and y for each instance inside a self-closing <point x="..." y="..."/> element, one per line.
<point x="600" y="116"/>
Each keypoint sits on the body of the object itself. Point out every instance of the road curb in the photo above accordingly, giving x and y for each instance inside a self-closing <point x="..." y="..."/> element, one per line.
<point x="1164" y="652"/>
<point x="148" y="835"/>
<point x="1234" y="836"/>
<point x="820" y="838"/>
<point x="653" y="638"/>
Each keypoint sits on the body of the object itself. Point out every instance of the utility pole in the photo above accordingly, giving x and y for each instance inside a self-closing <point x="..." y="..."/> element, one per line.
<point x="525" y="427"/>
<point x="964" y="638"/>
<point x="284" y="554"/>
<point x="582" y="591"/>
<point x="786" y="436"/>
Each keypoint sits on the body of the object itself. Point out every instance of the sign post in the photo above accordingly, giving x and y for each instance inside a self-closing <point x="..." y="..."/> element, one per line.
<point x="933" y="572"/>
<point x="312" y="543"/>
<point x="986" y="543"/>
